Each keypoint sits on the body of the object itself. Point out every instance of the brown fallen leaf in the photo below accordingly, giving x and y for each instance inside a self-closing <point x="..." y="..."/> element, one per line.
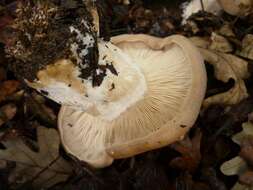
<point x="7" y="112"/>
<point x="125" y="2"/>
<point x="41" y="169"/>
<point x="220" y="43"/>
<point x="247" y="150"/>
<point x="226" y="30"/>
<point x="247" y="178"/>
<point x="190" y="153"/>
<point x="226" y="67"/>
<point x="7" y="88"/>
<point x="239" y="165"/>
<point x="235" y="166"/>
<point x="247" y="47"/>
<point x="239" y="186"/>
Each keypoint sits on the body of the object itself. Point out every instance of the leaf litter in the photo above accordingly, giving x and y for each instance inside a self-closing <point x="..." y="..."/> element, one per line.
<point x="194" y="163"/>
<point x="43" y="168"/>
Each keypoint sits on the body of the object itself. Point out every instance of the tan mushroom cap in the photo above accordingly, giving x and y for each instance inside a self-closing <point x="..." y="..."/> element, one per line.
<point x="176" y="84"/>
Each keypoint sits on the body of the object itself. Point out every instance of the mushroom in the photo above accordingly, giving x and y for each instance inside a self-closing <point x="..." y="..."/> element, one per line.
<point x="151" y="102"/>
<point x="119" y="98"/>
<point x="237" y="7"/>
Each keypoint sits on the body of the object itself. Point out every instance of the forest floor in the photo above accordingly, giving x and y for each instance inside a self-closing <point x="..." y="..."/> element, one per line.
<point x="217" y="154"/>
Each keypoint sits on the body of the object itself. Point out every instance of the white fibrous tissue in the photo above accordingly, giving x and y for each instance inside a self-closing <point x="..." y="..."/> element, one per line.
<point x="194" y="6"/>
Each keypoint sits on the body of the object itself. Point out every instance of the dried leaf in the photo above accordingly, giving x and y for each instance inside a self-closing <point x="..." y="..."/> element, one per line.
<point x="190" y="153"/>
<point x="7" y="88"/>
<point x="245" y="133"/>
<point x="235" y="166"/>
<point x="220" y="43"/>
<point x="42" y="169"/>
<point x="226" y="30"/>
<point x="247" y="47"/>
<point x="247" y="149"/>
<point x="125" y="2"/>
<point x="247" y="178"/>
<point x="239" y="186"/>
<point x="240" y="164"/>
<point x="7" y="112"/>
<point x="226" y="66"/>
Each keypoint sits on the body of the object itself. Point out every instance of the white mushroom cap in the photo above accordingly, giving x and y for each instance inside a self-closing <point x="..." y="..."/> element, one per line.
<point x="154" y="103"/>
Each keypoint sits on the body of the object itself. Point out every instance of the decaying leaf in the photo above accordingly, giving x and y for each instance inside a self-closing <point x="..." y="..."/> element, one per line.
<point x="226" y="30"/>
<point x="220" y="43"/>
<point x="226" y="66"/>
<point x="42" y="169"/>
<point x="240" y="164"/>
<point x="125" y="2"/>
<point x="7" y="112"/>
<point x="190" y="153"/>
<point x="235" y="166"/>
<point x="245" y="140"/>
<point x="7" y="88"/>
<point x="247" y="47"/>
<point x="247" y="178"/>
<point x="247" y="149"/>
<point x="245" y="133"/>
<point x="239" y="186"/>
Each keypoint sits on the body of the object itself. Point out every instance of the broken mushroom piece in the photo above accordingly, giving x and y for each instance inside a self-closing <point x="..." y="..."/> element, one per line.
<point x="152" y="101"/>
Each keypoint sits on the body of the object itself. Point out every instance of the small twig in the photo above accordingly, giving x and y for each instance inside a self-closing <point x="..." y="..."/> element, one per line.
<point x="202" y="5"/>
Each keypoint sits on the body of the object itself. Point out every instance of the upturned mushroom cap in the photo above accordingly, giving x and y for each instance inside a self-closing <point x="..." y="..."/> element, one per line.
<point x="237" y="7"/>
<point x="155" y="103"/>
